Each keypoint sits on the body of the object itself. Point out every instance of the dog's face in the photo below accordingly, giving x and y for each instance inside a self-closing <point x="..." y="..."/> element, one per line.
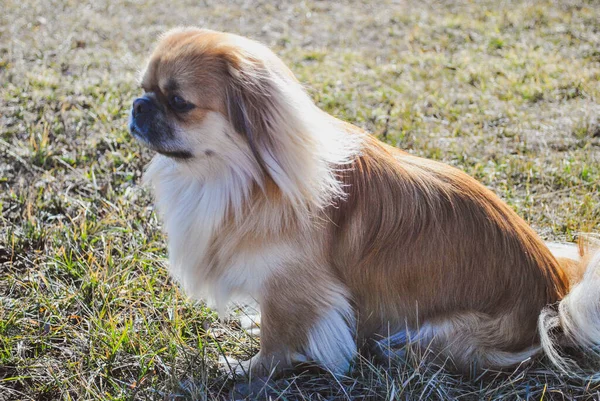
<point x="182" y="113"/>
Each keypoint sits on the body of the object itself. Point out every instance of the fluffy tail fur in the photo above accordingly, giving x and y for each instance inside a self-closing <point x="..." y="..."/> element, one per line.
<point x="576" y="320"/>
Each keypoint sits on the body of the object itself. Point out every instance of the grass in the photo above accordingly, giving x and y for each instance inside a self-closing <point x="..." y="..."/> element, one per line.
<point x="506" y="90"/>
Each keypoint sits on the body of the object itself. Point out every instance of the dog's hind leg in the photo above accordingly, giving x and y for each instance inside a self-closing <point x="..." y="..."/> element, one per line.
<point x="469" y="341"/>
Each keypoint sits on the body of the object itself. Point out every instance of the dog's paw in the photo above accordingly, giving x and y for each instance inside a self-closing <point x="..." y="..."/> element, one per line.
<point x="253" y="367"/>
<point x="256" y="367"/>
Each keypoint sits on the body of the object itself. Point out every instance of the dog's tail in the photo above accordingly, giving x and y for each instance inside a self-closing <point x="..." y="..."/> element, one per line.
<point x="575" y="321"/>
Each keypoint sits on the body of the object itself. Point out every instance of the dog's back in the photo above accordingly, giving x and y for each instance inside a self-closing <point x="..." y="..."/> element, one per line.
<point x="425" y="248"/>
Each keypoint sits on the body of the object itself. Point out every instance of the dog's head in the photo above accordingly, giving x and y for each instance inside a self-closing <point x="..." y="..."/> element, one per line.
<point x="208" y="95"/>
<point x="215" y="101"/>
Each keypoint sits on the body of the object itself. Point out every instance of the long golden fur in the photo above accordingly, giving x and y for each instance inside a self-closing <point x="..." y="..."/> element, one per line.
<point x="344" y="242"/>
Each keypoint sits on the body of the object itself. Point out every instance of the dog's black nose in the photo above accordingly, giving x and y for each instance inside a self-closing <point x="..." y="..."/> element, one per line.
<point x="143" y="113"/>
<point x="141" y="105"/>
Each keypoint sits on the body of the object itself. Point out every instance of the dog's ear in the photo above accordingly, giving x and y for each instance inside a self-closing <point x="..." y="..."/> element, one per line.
<point x="249" y="109"/>
<point x="257" y="110"/>
<point x="287" y="133"/>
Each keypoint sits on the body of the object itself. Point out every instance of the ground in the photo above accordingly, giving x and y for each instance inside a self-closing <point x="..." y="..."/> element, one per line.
<point x="505" y="90"/>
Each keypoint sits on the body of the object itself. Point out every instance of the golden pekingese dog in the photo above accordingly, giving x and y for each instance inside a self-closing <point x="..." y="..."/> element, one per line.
<point x="344" y="241"/>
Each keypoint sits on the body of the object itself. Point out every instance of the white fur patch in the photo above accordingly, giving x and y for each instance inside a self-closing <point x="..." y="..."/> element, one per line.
<point x="579" y="317"/>
<point x="192" y="210"/>
<point x="331" y="341"/>
<point x="193" y="199"/>
<point x="580" y="309"/>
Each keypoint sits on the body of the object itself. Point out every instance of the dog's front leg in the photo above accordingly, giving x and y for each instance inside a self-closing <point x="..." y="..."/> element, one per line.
<point x="303" y="319"/>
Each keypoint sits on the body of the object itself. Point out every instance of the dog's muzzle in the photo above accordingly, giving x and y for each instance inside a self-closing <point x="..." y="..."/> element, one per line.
<point x="142" y="113"/>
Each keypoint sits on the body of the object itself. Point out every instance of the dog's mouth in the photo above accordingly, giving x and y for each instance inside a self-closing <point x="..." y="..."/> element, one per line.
<point x="176" y="154"/>
<point x="172" y="153"/>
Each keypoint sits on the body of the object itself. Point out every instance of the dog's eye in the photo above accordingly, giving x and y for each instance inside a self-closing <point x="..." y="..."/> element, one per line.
<point x="179" y="104"/>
